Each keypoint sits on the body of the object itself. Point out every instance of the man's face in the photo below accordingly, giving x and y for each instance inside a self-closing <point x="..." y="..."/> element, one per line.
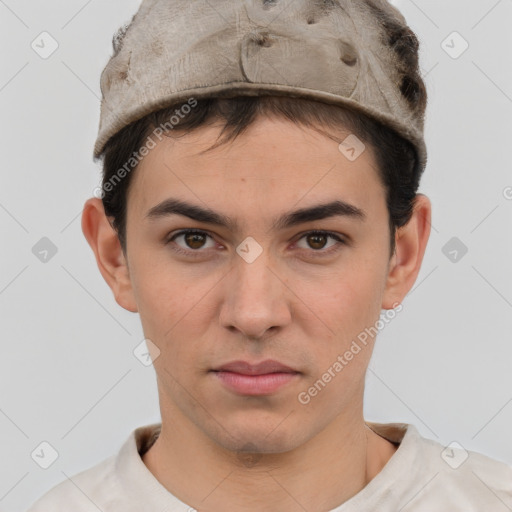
<point x="212" y="298"/>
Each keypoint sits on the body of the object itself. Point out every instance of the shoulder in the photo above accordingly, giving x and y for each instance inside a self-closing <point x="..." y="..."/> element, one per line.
<point x="83" y="492"/>
<point x="466" y="479"/>
<point x="425" y="475"/>
<point x="116" y="483"/>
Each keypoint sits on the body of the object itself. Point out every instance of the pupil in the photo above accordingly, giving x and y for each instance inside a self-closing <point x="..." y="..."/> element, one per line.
<point x="317" y="237"/>
<point x="193" y="236"/>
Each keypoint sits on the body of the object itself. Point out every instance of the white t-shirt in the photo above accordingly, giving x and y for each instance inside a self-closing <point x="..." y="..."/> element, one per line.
<point x="421" y="476"/>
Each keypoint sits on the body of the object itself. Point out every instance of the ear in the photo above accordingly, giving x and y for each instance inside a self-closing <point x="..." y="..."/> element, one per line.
<point x="411" y="242"/>
<point x="108" y="252"/>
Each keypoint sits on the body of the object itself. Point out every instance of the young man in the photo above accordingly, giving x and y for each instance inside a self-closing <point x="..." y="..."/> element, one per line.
<point x="260" y="263"/>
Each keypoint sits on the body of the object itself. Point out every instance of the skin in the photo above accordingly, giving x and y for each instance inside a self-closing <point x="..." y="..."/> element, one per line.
<point x="288" y="305"/>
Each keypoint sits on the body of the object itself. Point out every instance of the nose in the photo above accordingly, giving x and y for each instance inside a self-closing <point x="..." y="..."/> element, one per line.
<point x="256" y="297"/>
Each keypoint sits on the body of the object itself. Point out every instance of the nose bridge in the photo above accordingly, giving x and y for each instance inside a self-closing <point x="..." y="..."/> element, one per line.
<point x="256" y="295"/>
<point x="253" y="267"/>
<point x="255" y="281"/>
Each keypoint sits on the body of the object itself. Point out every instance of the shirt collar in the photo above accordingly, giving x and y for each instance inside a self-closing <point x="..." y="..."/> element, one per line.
<point x="142" y="487"/>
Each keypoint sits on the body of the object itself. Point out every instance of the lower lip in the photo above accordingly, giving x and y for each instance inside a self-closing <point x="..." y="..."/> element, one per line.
<point x="254" y="384"/>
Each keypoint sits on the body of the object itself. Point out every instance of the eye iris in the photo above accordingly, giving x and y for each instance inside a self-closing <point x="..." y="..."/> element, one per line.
<point x="195" y="237"/>
<point x="316" y="236"/>
<point x="195" y="240"/>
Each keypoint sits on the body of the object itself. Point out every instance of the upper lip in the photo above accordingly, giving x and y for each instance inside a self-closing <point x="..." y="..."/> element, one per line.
<point x="246" y="368"/>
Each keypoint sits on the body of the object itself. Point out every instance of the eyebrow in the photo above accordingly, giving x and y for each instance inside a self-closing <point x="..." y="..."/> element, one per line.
<point x="337" y="208"/>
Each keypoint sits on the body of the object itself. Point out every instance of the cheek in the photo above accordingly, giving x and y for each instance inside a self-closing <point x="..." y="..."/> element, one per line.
<point x="348" y="305"/>
<point x="353" y="297"/>
<point x="159" y="297"/>
<point x="341" y="359"/>
<point x="161" y="291"/>
<point x="174" y="310"/>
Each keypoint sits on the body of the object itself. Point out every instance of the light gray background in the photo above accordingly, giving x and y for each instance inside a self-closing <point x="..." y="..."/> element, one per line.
<point x="68" y="375"/>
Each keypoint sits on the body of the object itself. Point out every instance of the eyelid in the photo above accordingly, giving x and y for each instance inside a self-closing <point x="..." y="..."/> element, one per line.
<point x="171" y="237"/>
<point x="340" y="241"/>
<point x="174" y="234"/>
<point x="339" y="238"/>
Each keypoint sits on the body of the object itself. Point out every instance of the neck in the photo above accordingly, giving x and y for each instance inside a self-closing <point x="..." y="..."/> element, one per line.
<point x="320" y="474"/>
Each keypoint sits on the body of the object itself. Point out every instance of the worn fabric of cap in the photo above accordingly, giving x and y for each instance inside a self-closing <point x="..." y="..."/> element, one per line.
<point x="334" y="51"/>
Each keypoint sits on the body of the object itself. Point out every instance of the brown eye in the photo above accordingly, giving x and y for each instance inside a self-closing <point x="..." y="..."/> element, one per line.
<point x="317" y="240"/>
<point x="193" y="241"/>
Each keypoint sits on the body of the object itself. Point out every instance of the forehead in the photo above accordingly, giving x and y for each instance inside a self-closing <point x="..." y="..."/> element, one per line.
<point x="273" y="162"/>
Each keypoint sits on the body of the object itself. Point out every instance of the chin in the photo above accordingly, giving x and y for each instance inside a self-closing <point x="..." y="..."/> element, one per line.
<point x="260" y="436"/>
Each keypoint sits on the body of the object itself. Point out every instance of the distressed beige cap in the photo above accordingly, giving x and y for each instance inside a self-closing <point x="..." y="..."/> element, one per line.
<point x="340" y="52"/>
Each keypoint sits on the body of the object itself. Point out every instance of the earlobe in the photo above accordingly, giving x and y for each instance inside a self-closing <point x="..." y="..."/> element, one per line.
<point x="110" y="259"/>
<point x="411" y="242"/>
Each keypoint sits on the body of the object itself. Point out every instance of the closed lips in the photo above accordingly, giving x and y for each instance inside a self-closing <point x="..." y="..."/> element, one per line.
<point x="262" y="368"/>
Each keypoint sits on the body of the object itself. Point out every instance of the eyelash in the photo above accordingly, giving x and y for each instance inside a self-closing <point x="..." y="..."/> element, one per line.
<point x="319" y="252"/>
